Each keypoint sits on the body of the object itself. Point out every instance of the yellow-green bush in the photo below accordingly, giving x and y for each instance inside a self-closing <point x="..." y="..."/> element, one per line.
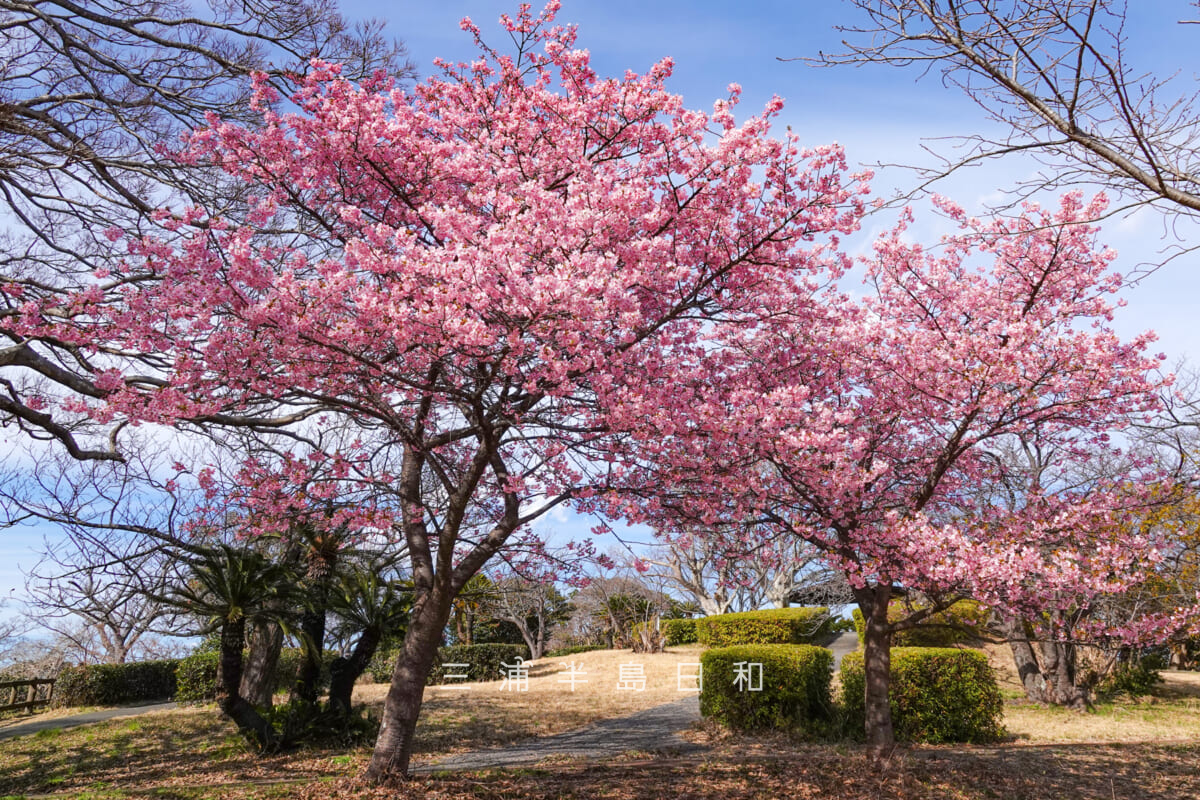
<point x="794" y="694"/>
<point x="937" y="694"/>
<point x="679" y="631"/>
<point x="770" y="626"/>
<point x="954" y="625"/>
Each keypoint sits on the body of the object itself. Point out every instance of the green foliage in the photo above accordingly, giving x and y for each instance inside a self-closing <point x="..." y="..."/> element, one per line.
<point x="770" y="626"/>
<point x="679" y="631"/>
<point x="196" y="677"/>
<point x="197" y="674"/>
<point x="382" y="664"/>
<point x="570" y="651"/>
<point x="937" y="694"/>
<point x="795" y="687"/>
<point x="954" y="625"/>
<point x="115" y="684"/>
<point x="288" y="667"/>
<point x="1131" y="678"/>
<point x="483" y="662"/>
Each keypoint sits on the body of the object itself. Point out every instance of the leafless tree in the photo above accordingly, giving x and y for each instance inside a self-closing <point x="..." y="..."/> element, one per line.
<point x="722" y="572"/>
<point x="532" y="606"/>
<point x="92" y="96"/>
<point x="99" y="593"/>
<point x="1058" y="77"/>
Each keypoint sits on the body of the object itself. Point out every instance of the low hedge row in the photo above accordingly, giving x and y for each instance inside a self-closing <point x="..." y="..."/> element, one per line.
<point x="937" y="694"/>
<point x="954" y="625"/>
<point x="768" y="686"/>
<point x="483" y="663"/>
<point x="770" y="626"/>
<point x="115" y="684"/>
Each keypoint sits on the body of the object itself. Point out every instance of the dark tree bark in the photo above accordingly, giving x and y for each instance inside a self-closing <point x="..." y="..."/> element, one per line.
<point x="258" y="678"/>
<point x="345" y="672"/>
<point x="229" y="699"/>
<point x="317" y="583"/>
<point x="393" y="748"/>
<point x="877" y="663"/>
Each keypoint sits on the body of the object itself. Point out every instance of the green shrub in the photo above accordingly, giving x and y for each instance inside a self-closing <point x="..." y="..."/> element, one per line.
<point x="1131" y="678"/>
<point x="197" y="675"/>
<point x="679" y="631"/>
<point x="288" y="667"/>
<point x="382" y="664"/>
<point x="570" y="651"/>
<point x="115" y="684"/>
<point x="954" y="625"/>
<point x="483" y="662"/>
<point x="771" y="626"/>
<point x="937" y="694"/>
<point x="795" y="687"/>
<point x="196" y="678"/>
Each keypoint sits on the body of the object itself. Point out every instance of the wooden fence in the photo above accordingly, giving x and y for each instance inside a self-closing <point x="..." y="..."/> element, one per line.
<point x="38" y="692"/>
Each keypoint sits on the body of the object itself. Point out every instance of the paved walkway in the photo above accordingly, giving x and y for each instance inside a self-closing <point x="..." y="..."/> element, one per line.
<point x="48" y="723"/>
<point x="654" y="730"/>
<point x="844" y="642"/>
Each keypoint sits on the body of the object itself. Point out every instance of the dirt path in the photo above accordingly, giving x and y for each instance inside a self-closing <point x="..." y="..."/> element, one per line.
<point x="47" y="723"/>
<point x="653" y="730"/>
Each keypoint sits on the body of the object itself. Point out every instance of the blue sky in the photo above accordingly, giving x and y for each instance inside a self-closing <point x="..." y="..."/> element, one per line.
<point x="880" y="114"/>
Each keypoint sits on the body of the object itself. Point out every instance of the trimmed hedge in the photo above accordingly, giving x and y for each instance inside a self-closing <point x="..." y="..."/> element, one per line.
<point x="115" y="684"/>
<point x="770" y="626"/>
<point x="196" y="678"/>
<point x="951" y="626"/>
<point x="795" y="687"/>
<point x="679" y="631"/>
<point x="937" y="694"/>
<point x="483" y="662"/>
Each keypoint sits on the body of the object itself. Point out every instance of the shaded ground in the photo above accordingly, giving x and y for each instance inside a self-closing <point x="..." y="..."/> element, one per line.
<point x="770" y="768"/>
<point x="36" y="725"/>
<point x="652" y="730"/>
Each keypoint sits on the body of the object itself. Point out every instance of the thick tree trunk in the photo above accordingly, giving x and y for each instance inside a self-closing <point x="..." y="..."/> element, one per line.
<point x="1050" y="680"/>
<point x="229" y="699"/>
<point x="258" y="679"/>
<point x="393" y="748"/>
<point x="877" y="660"/>
<point x="312" y="644"/>
<point x="344" y="672"/>
<point x="1058" y="667"/>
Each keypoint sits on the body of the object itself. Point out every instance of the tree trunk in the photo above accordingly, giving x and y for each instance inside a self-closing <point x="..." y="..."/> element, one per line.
<point x="229" y="699"/>
<point x="1051" y="680"/>
<point x="312" y="645"/>
<point x="344" y="672"/>
<point x="1058" y="666"/>
<point x="877" y="662"/>
<point x="258" y="679"/>
<point x="393" y="748"/>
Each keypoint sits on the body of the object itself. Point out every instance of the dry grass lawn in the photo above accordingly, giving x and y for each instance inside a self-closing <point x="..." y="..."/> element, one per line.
<point x="461" y="717"/>
<point x="1148" y="749"/>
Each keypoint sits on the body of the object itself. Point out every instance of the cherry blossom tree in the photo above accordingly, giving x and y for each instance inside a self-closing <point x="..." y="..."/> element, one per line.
<point x="478" y="271"/>
<point x="864" y="431"/>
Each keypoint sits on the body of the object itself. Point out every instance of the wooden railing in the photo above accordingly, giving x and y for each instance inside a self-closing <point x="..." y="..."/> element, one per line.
<point x="34" y="695"/>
